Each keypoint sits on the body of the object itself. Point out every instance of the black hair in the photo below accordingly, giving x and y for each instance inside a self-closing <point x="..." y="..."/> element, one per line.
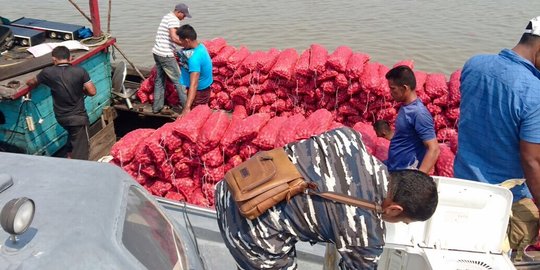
<point x="416" y="192"/>
<point x="402" y="75"/>
<point x="61" y="52"/>
<point x="381" y="125"/>
<point x="186" y="31"/>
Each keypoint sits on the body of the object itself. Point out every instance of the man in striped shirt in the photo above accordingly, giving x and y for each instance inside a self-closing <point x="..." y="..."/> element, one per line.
<point x="164" y="56"/>
<point x="336" y="161"/>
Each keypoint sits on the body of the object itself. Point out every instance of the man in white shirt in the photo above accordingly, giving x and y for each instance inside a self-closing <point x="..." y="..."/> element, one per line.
<point x="164" y="56"/>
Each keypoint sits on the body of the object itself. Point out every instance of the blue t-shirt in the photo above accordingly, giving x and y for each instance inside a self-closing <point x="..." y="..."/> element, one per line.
<point x="500" y="105"/>
<point x="414" y="125"/>
<point x="198" y="60"/>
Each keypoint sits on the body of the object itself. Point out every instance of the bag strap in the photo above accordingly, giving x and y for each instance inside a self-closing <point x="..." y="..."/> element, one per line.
<point x="346" y="199"/>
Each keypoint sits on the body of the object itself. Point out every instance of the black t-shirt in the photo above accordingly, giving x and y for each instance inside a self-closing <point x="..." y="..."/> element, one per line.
<point x="66" y="83"/>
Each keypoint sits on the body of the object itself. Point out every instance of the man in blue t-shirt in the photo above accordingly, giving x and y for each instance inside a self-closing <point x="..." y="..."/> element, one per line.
<point x="414" y="144"/>
<point x="499" y="127"/>
<point x="196" y="66"/>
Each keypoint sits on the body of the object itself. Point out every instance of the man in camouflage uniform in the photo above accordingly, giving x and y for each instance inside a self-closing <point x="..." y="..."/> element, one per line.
<point x="336" y="161"/>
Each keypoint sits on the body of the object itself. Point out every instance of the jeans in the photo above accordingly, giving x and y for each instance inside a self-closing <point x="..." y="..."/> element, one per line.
<point x="166" y="66"/>
<point x="78" y="143"/>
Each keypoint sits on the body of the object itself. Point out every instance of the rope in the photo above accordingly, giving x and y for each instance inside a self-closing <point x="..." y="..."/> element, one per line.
<point x="96" y="41"/>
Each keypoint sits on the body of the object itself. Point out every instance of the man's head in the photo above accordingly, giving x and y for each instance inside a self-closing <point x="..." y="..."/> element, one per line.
<point x="529" y="44"/>
<point x="411" y="196"/>
<point x="60" y="54"/>
<point x="402" y="83"/>
<point x="187" y="35"/>
<point x="382" y="129"/>
<point x="181" y="11"/>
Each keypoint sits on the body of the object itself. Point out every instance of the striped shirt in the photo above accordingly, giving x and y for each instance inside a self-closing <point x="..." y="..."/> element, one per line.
<point x="164" y="45"/>
<point x="336" y="161"/>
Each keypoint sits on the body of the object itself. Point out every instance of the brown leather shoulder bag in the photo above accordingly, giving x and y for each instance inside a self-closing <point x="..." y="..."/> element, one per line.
<point x="269" y="177"/>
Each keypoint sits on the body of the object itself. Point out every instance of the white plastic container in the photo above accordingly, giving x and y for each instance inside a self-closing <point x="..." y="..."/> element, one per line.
<point x="465" y="233"/>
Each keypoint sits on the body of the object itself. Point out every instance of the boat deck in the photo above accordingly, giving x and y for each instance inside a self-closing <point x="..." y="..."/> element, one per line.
<point x="18" y="65"/>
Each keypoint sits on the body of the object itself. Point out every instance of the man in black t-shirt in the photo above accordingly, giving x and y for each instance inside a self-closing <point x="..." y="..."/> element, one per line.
<point x="69" y="84"/>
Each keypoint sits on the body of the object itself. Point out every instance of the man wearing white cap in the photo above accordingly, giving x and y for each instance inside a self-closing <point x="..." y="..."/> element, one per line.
<point x="499" y="128"/>
<point x="164" y="56"/>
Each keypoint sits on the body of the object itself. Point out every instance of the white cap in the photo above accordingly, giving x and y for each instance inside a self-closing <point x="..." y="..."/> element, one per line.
<point x="533" y="27"/>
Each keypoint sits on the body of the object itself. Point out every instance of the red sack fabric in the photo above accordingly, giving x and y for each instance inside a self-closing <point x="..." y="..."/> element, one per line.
<point x="356" y="64"/>
<point x="445" y="163"/>
<point x="237" y="58"/>
<point x="160" y="188"/>
<point x="240" y="94"/>
<point x="341" y="81"/>
<point x="339" y="58"/>
<point x="251" y="63"/>
<point x="370" y="80"/>
<point x="269" y="61"/>
<point x="441" y="101"/>
<point x="245" y="129"/>
<point x="445" y="134"/>
<point x="420" y="77"/>
<point x="452" y="114"/>
<point x="287" y="133"/>
<point x="124" y="149"/>
<point x="454" y="96"/>
<point x="266" y="139"/>
<point x="212" y="175"/>
<point x="380" y="150"/>
<point x="317" y="61"/>
<point x="255" y="103"/>
<point x="328" y="74"/>
<point x="369" y="137"/>
<point x="175" y="196"/>
<point x="317" y="123"/>
<point x="388" y="114"/>
<point x="182" y="170"/>
<point x="213" y="158"/>
<point x="302" y="65"/>
<point x="284" y="66"/>
<point x="436" y="85"/>
<point x="213" y="130"/>
<point x="221" y="59"/>
<point x="248" y="150"/>
<point x="347" y="110"/>
<point x="170" y="140"/>
<point x="354" y="88"/>
<point x="433" y="109"/>
<point x="189" y="125"/>
<point x="235" y="161"/>
<point x="407" y="63"/>
<point x="269" y="97"/>
<point x="215" y="45"/>
<point x="440" y="122"/>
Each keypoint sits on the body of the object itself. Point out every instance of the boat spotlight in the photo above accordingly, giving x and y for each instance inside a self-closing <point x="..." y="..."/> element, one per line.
<point x="17" y="215"/>
<point x="67" y="37"/>
<point x="52" y="35"/>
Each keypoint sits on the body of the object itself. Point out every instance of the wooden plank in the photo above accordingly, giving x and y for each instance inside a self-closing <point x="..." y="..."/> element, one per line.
<point x="102" y="141"/>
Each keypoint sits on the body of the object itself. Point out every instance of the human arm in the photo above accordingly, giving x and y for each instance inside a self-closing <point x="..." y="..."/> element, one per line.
<point x="174" y="37"/>
<point x="192" y="91"/>
<point x="530" y="162"/>
<point x="432" y="154"/>
<point x="89" y="88"/>
<point x="32" y="83"/>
